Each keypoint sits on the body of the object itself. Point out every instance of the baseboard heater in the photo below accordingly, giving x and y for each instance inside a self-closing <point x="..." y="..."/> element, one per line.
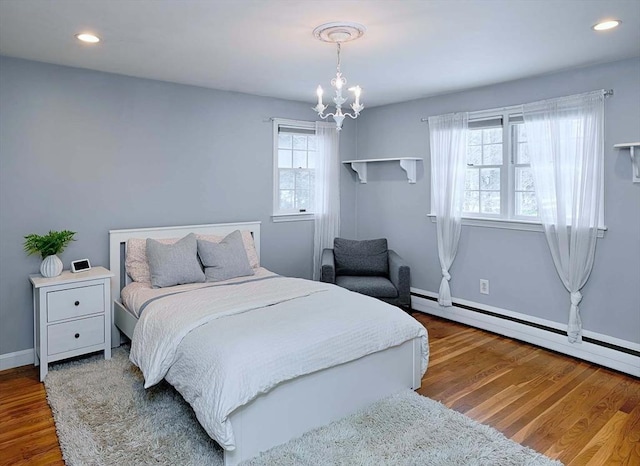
<point x="594" y="341"/>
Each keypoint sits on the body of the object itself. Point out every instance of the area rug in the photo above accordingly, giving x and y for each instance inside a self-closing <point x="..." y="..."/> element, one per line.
<point x="104" y="416"/>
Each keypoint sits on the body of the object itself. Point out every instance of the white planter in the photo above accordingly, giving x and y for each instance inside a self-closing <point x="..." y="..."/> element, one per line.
<point x="51" y="266"/>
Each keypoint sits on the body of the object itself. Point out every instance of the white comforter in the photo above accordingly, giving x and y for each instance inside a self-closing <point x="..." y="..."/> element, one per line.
<point x="222" y="346"/>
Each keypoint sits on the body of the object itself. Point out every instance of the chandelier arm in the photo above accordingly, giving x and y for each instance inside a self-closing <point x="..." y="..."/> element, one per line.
<point x="324" y="117"/>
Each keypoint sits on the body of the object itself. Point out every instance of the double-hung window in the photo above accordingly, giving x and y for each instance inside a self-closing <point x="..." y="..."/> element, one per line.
<point x="294" y="156"/>
<point x="498" y="180"/>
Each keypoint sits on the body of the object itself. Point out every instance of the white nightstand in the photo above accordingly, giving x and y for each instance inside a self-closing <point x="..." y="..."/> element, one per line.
<point x="72" y="315"/>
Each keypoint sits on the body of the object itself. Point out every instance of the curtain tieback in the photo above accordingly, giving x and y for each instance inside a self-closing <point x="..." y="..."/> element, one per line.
<point x="576" y="297"/>
<point x="445" y="274"/>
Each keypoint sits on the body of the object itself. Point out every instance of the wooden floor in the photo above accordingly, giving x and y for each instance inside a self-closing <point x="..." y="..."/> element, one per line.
<point x="567" y="409"/>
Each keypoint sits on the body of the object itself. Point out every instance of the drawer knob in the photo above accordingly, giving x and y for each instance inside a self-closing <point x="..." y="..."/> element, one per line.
<point x="77" y="303"/>
<point x="77" y="335"/>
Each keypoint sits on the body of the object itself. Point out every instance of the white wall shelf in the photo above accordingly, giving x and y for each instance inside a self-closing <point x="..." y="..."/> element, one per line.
<point x="408" y="164"/>
<point x="635" y="158"/>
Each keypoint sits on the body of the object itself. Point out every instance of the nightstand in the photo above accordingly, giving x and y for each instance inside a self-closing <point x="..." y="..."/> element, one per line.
<point x="72" y="315"/>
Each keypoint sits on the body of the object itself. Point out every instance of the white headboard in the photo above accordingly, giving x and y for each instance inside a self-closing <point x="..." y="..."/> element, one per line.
<point x="118" y="244"/>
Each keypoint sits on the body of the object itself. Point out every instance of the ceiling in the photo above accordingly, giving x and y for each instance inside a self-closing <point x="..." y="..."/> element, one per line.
<point x="412" y="48"/>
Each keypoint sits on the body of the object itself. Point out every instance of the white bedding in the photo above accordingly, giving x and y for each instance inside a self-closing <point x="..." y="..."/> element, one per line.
<point x="136" y="294"/>
<point x="222" y="346"/>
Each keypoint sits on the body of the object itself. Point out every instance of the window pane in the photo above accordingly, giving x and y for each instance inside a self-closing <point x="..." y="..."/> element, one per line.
<point x="312" y="180"/>
<point x="475" y="137"/>
<point x="302" y="199"/>
<point x="300" y="141"/>
<point x="299" y="159"/>
<point x="471" y="201"/>
<point x="490" y="202"/>
<point x="286" y="199"/>
<point x="287" y="179"/>
<point x="524" y="179"/>
<point x="302" y="179"/>
<point x="284" y="159"/>
<point x="284" y="141"/>
<point x="311" y="141"/>
<point x="472" y="179"/>
<point x="311" y="159"/>
<point x="492" y="154"/>
<point x="522" y="153"/>
<point x="490" y="178"/>
<point x="474" y="155"/>
<point x="492" y="135"/>
<point x="526" y="204"/>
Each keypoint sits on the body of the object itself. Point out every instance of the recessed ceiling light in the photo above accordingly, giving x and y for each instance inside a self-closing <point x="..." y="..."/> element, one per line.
<point x="86" y="37"/>
<point x="609" y="24"/>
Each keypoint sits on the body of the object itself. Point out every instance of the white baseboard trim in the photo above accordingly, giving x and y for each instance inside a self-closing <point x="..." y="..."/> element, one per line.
<point x="16" y="359"/>
<point x="602" y="355"/>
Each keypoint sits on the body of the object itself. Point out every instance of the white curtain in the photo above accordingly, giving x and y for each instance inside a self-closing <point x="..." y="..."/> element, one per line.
<point x="566" y="147"/>
<point x="448" y="136"/>
<point x="327" y="192"/>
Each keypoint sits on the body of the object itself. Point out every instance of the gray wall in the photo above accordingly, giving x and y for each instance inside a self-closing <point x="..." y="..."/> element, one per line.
<point x="517" y="263"/>
<point x="91" y="151"/>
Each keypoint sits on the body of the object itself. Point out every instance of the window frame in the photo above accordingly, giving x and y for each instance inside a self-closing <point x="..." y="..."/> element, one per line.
<point x="278" y="215"/>
<point x="508" y="220"/>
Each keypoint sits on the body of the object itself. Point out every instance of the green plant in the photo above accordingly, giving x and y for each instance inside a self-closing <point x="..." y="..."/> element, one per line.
<point x="52" y="243"/>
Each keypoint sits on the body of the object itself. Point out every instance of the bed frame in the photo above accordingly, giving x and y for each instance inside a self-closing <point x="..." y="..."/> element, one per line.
<point x="295" y="406"/>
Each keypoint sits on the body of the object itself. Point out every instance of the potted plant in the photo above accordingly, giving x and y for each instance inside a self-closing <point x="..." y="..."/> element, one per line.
<point x="49" y="246"/>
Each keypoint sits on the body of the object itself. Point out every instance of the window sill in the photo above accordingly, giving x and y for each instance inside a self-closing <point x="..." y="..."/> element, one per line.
<point x="297" y="217"/>
<point x="506" y="224"/>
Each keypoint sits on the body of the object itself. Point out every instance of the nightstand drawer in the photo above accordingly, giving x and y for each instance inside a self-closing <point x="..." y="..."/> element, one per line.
<point x="75" y="302"/>
<point x="75" y="334"/>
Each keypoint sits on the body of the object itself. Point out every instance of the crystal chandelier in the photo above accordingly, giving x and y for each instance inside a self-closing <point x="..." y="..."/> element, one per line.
<point x="339" y="33"/>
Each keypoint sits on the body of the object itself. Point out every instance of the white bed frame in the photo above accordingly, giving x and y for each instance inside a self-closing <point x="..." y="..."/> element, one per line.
<point x="295" y="406"/>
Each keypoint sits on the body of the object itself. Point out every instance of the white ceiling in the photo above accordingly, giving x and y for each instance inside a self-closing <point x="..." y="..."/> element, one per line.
<point x="411" y="49"/>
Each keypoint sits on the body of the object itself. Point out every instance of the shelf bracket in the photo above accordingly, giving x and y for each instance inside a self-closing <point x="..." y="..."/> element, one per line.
<point x="361" y="169"/>
<point x="635" y="164"/>
<point x="409" y="166"/>
<point x="635" y="159"/>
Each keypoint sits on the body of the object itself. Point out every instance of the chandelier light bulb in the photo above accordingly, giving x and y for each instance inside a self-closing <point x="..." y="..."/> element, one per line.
<point x="89" y="38"/>
<point x="606" y="25"/>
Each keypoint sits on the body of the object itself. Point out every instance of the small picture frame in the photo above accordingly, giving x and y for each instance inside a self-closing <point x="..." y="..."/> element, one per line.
<point x="81" y="265"/>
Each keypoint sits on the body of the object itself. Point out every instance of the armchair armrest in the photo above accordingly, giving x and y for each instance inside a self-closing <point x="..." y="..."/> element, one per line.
<point x="400" y="276"/>
<point x="327" y="267"/>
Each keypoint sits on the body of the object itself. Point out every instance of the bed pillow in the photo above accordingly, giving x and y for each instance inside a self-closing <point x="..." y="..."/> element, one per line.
<point x="225" y="259"/>
<point x="249" y="246"/>
<point x="366" y="257"/>
<point x="174" y="264"/>
<point x="137" y="265"/>
<point x="136" y="262"/>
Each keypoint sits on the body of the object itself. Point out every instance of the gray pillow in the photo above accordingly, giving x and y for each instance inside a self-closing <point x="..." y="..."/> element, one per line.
<point x="174" y="264"/>
<point x="366" y="257"/>
<point x="226" y="259"/>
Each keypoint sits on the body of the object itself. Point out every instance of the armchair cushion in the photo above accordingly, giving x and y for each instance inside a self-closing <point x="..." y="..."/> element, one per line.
<point x="361" y="258"/>
<point x="378" y="287"/>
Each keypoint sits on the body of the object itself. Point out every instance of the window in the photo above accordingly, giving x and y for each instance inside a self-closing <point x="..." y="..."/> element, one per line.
<point x="294" y="169"/>
<point x="498" y="181"/>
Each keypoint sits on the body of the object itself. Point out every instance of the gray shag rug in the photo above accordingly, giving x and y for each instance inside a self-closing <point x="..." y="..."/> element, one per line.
<point x="104" y="416"/>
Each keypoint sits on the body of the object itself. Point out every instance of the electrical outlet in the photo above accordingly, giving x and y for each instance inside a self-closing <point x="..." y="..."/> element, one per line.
<point x="484" y="286"/>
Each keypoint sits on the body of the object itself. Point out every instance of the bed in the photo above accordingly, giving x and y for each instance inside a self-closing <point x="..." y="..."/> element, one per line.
<point x="294" y="405"/>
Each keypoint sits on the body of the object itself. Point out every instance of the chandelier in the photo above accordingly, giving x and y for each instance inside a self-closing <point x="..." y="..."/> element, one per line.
<point x="338" y="33"/>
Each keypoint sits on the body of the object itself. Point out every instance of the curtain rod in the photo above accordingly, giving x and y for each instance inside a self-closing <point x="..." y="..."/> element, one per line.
<point x="607" y="93"/>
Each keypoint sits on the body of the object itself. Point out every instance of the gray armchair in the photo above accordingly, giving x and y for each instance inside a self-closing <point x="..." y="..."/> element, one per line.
<point x="368" y="267"/>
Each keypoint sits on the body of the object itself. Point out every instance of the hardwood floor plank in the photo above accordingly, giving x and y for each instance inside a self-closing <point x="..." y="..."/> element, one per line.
<point x="568" y="409"/>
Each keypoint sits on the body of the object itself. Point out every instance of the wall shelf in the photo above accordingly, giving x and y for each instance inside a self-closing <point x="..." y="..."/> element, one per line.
<point x="408" y="164"/>
<point x="635" y="158"/>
